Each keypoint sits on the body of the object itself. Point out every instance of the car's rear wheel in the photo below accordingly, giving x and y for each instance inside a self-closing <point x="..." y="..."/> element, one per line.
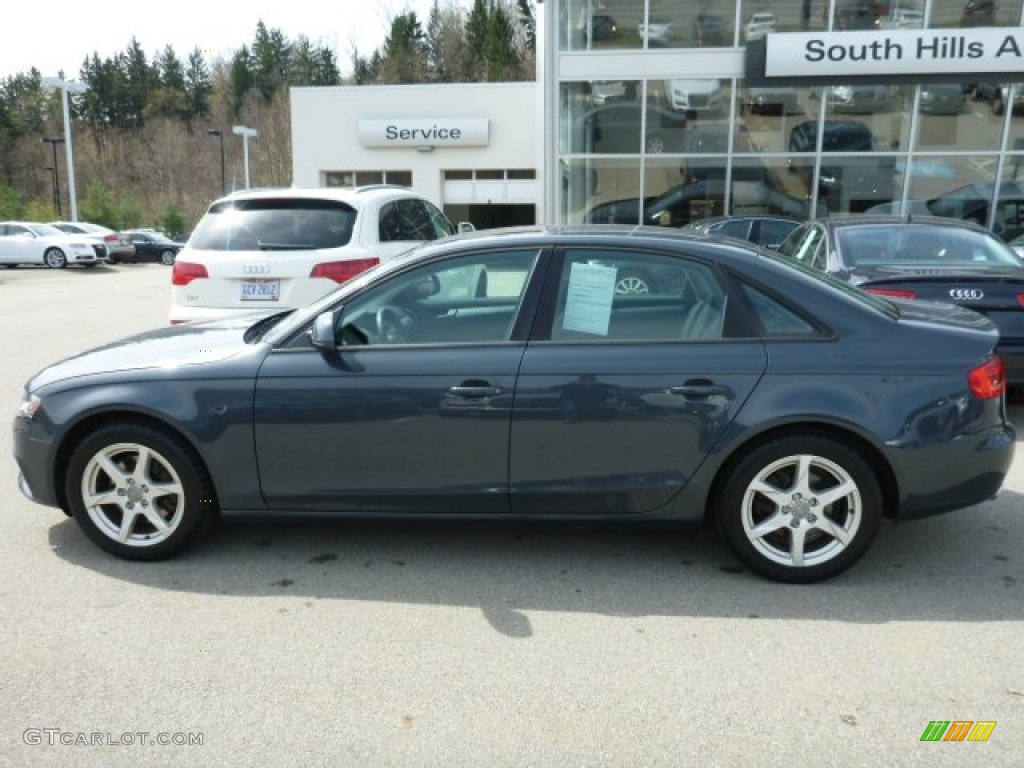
<point x="138" y="492"/>
<point x="112" y="260"/>
<point x="167" y="258"/>
<point x="54" y="258"/>
<point x="800" y="508"/>
<point x="634" y="283"/>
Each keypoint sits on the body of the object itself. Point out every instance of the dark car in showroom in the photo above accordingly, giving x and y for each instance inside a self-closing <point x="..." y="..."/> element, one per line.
<point x="851" y="184"/>
<point x="923" y="258"/>
<point x="500" y="376"/>
<point x="151" y="245"/>
<point x="630" y="126"/>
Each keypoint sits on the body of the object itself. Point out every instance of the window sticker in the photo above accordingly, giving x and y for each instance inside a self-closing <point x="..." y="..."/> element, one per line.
<point x="588" y="304"/>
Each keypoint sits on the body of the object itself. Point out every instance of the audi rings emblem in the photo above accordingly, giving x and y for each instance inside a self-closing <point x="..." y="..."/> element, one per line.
<point x="966" y="293"/>
<point x="255" y="269"/>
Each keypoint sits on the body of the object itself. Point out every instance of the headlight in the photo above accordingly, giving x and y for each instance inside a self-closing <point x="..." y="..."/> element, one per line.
<point x="29" y="405"/>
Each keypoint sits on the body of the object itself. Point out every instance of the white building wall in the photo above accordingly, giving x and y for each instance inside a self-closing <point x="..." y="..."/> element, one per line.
<point x="325" y="131"/>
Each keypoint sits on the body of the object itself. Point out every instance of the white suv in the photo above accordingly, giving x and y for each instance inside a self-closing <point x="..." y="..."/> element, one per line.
<point x="263" y="250"/>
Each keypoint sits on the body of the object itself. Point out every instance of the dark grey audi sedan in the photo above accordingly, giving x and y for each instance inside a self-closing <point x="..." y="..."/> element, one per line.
<point x="501" y="375"/>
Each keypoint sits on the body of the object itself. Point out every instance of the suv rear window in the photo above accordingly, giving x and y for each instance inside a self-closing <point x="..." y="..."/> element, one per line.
<point x="275" y="224"/>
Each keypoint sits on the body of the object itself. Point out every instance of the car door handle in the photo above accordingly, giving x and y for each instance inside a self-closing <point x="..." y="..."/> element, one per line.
<point x="474" y="390"/>
<point x="698" y="389"/>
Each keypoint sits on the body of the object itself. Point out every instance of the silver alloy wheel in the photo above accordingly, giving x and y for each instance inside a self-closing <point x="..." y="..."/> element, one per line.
<point x="167" y="258"/>
<point x="55" y="258"/>
<point x="654" y="145"/>
<point x="133" y="495"/>
<point x="802" y="511"/>
<point x="632" y="284"/>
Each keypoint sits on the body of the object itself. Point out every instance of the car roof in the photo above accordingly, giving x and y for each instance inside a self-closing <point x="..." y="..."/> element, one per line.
<point x="352" y="196"/>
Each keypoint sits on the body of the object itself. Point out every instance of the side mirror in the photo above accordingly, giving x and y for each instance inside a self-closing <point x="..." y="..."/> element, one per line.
<point x="322" y="332"/>
<point x="466" y="226"/>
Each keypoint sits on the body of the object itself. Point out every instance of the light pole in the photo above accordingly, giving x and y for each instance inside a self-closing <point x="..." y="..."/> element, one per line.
<point x="246" y="133"/>
<point x="66" y="87"/>
<point x="219" y="133"/>
<point x="54" y="141"/>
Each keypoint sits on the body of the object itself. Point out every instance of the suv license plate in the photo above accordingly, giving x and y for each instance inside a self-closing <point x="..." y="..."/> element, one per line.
<point x="261" y="290"/>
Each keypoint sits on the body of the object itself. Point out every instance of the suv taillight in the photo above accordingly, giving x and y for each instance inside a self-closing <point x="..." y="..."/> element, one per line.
<point x="185" y="272"/>
<point x="342" y="271"/>
<point x="988" y="380"/>
<point x="111" y="238"/>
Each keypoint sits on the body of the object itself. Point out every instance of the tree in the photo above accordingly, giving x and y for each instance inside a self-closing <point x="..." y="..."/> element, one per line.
<point x="270" y="61"/>
<point x="445" y="41"/>
<point x="240" y="80"/>
<point x="170" y="98"/>
<point x="404" y="59"/>
<point x="198" y="85"/>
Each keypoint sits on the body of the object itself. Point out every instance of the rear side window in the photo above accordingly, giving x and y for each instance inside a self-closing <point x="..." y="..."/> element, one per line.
<point x="275" y="224"/>
<point x="775" y="318"/>
<point x="411" y="219"/>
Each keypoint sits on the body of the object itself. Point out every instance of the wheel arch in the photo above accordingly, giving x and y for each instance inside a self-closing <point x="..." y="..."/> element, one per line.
<point x="82" y="429"/>
<point x="882" y="468"/>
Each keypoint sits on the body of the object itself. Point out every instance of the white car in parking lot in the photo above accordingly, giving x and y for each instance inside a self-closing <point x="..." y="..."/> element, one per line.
<point x="760" y="24"/>
<point x="24" y="242"/>
<point x="258" y="251"/>
<point x="117" y="245"/>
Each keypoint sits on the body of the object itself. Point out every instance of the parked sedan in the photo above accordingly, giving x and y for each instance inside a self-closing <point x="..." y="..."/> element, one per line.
<point x="152" y="246"/>
<point x="926" y="258"/>
<point x="24" y="242"/>
<point x="117" y="245"/>
<point x="501" y="376"/>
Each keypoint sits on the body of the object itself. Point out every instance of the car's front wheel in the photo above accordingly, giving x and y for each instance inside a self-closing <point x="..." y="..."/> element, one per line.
<point x="800" y="508"/>
<point x="54" y="258"/>
<point x="138" y="492"/>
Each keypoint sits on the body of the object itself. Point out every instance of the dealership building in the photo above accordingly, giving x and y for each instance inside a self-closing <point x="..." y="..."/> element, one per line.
<point x="794" y="107"/>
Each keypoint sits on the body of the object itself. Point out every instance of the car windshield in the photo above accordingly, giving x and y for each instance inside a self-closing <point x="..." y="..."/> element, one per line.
<point x="922" y="245"/>
<point x="275" y="224"/>
<point x="46" y="230"/>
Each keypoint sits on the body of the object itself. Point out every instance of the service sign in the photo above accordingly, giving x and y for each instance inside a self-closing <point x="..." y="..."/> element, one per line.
<point x="892" y="52"/>
<point x="425" y="132"/>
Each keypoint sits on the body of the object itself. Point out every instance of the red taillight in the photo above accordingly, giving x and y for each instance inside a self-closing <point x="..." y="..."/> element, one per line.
<point x="988" y="380"/>
<point x="184" y="273"/>
<point x="893" y="293"/>
<point x="1020" y="299"/>
<point x="341" y="271"/>
<point x="111" y="238"/>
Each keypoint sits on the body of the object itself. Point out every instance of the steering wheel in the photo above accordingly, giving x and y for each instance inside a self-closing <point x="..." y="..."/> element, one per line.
<point x="394" y="324"/>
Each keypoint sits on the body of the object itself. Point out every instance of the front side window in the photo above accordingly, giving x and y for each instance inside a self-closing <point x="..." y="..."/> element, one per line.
<point x="471" y="299"/>
<point x="637" y="296"/>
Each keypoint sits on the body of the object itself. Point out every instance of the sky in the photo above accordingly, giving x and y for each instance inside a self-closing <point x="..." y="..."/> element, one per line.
<point x="58" y="36"/>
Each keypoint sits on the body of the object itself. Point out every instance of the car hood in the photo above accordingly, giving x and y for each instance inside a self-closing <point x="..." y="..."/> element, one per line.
<point x="180" y="346"/>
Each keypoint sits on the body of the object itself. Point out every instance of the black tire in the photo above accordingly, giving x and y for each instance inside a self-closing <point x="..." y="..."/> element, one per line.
<point x="106" y="466"/>
<point x="800" y="506"/>
<point x="54" y="258"/>
<point x="113" y="260"/>
<point x="167" y="258"/>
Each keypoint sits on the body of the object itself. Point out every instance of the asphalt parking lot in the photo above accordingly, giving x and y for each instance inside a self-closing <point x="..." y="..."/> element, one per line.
<point x="373" y="645"/>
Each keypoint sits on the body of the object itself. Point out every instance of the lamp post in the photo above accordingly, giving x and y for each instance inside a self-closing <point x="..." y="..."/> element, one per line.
<point x="246" y="133"/>
<point x="54" y="141"/>
<point x="66" y="87"/>
<point x="219" y="133"/>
